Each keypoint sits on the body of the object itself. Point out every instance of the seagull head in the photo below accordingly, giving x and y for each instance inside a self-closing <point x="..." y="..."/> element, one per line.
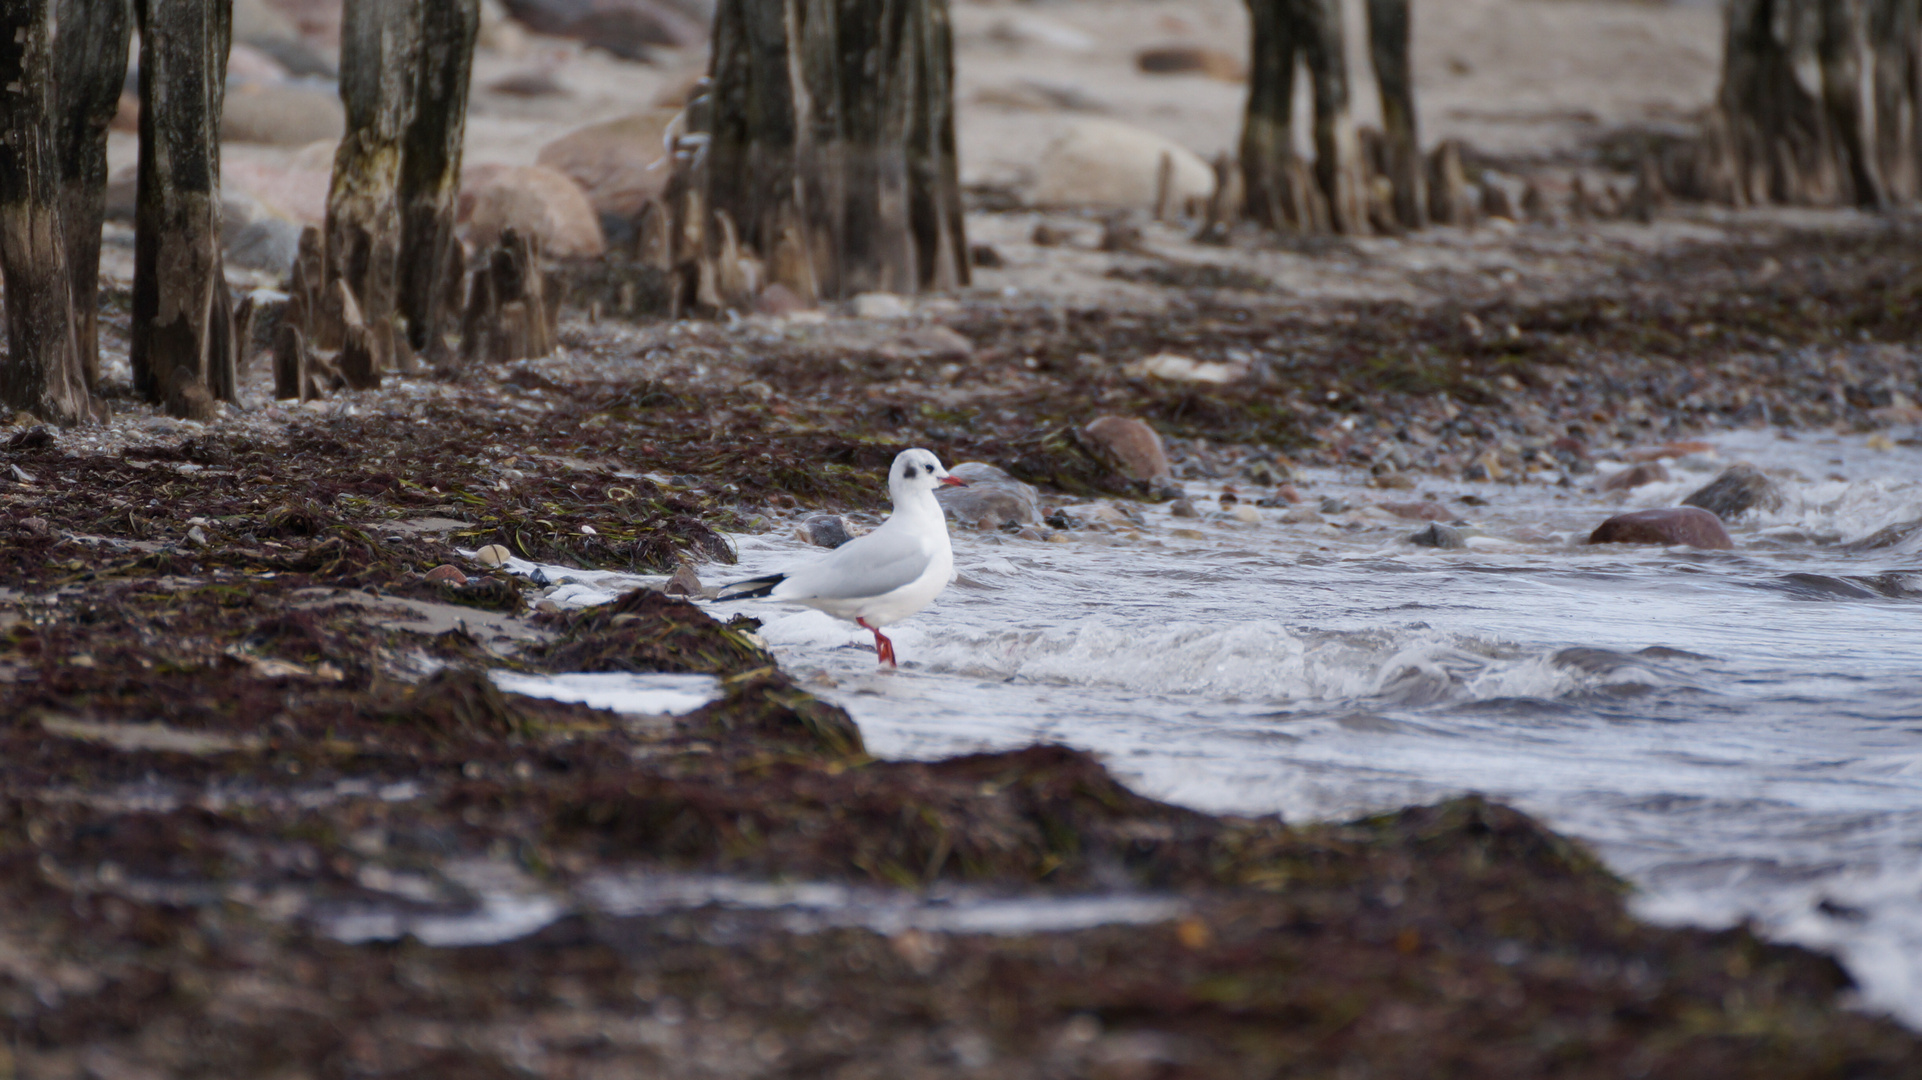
<point x="916" y="471"/>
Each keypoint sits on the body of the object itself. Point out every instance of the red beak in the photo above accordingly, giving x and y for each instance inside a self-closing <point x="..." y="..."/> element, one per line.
<point x="954" y="481"/>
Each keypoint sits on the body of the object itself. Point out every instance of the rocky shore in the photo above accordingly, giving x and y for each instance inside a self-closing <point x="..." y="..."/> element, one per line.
<point x="263" y="812"/>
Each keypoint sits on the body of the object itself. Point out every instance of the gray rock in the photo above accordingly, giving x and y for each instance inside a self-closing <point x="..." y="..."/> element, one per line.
<point x="991" y="499"/>
<point x="1183" y="508"/>
<point x="265" y="243"/>
<point x="1437" y="535"/>
<point x="1739" y="489"/>
<point x="825" y="530"/>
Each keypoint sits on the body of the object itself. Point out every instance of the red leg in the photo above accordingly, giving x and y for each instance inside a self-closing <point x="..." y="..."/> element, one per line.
<point x="883" y="648"/>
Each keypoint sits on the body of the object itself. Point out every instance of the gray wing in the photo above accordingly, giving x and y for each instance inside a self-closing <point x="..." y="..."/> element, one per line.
<point x="880" y="562"/>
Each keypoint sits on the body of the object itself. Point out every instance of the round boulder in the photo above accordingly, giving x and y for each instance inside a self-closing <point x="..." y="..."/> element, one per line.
<point x="618" y="163"/>
<point x="281" y="115"/>
<point x="539" y="203"/>
<point x="1132" y="443"/>
<point x="1687" y="525"/>
<point x="1106" y="163"/>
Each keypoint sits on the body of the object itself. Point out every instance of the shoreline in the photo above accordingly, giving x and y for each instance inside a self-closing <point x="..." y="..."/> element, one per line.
<point x="217" y="740"/>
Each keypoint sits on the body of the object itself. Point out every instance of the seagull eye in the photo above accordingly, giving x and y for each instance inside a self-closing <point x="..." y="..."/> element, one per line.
<point x="910" y="472"/>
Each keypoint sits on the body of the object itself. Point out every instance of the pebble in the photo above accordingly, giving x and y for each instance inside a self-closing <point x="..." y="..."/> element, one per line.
<point x="449" y="573"/>
<point x="493" y="555"/>
<point x="1245" y="513"/>
<point x="197" y="536"/>
<point x="824" y="530"/>
<point x="1301" y="515"/>
<point x="881" y="305"/>
<point x="685" y="582"/>
<point x="1182" y="508"/>
<point x="1418" y="511"/>
<point x="1648" y="472"/>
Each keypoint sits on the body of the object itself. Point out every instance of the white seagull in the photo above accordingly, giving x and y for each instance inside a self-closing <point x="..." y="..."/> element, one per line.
<point x="881" y="578"/>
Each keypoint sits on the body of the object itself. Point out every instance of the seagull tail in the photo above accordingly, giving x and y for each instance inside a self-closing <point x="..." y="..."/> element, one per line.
<point x="752" y="588"/>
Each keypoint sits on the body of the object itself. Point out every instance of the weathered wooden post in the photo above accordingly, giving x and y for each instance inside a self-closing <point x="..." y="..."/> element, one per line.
<point x="183" y="346"/>
<point x="379" y="49"/>
<point x="430" y="165"/>
<point x="1853" y="138"/>
<point x="830" y="145"/>
<point x="89" y="71"/>
<point x="1388" y="50"/>
<point x="1309" y="31"/>
<point x="43" y="373"/>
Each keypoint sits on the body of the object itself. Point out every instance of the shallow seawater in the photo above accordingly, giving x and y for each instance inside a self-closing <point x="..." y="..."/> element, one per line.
<point x="1739" y="733"/>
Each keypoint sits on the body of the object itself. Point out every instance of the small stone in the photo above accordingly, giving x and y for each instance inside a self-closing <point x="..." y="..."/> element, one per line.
<point x="589" y="530"/>
<point x="1739" y="489"/>
<point x="493" y="555"/>
<point x="1300" y="515"/>
<point x="1394" y="481"/>
<point x="880" y="305"/>
<point x="1244" y="513"/>
<point x="1648" y="472"/>
<point x="450" y="574"/>
<point x="986" y="257"/>
<point x="197" y="536"/>
<point x="1688" y="525"/>
<point x="824" y="530"/>
<point x="1182" y="508"/>
<point x="685" y="582"/>
<point x="1133" y="443"/>
<point x="1437" y="535"/>
<point x="1285" y="495"/>
<point x="36" y="526"/>
<point x="1332" y="505"/>
<point x="1191" y="60"/>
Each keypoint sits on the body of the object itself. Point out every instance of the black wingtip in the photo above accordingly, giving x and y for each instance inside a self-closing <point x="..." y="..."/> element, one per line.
<point x="751" y="589"/>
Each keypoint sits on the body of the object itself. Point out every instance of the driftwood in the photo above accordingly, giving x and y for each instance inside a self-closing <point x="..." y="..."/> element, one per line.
<point x="511" y="314"/>
<point x="89" y="72"/>
<point x="182" y="312"/>
<point x="823" y="151"/>
<point x="43" y="373"/>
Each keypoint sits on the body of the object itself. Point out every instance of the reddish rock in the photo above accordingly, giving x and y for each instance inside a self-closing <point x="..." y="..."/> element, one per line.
<point x="1648" y="472"/>
<point x="1418" y="511"/>
<point x="1667" y="525"/>
<point x="449" y="574"/>
<point x="538" y="202"/>
<point x="778" y="300"/>
<point x="617" y="162"/>
<point x="1666" y="450"/>
<point x="1192" y="60"/>
<point x="1133" y="443"/>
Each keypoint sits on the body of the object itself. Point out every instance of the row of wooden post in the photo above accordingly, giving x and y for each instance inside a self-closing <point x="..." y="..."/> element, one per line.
<point x="388" y="254"/>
